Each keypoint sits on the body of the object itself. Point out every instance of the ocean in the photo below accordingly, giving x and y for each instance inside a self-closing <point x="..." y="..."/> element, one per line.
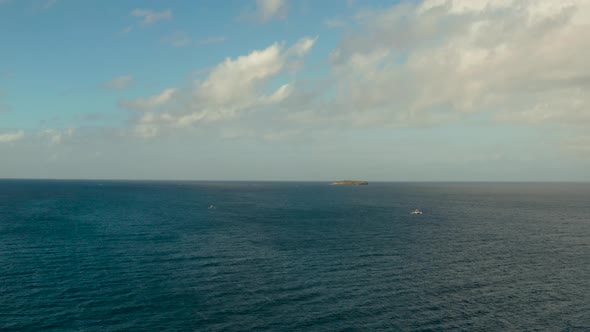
<point x="289" y="256"/>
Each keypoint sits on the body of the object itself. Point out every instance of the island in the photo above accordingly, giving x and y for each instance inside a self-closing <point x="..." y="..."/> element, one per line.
<point x="350" y="183"/>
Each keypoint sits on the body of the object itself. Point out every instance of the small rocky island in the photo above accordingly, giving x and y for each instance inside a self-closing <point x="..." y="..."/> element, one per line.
<point x="350" y="183"/>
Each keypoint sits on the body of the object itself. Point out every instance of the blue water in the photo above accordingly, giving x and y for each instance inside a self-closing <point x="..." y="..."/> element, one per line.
<point x="151" y="256"/>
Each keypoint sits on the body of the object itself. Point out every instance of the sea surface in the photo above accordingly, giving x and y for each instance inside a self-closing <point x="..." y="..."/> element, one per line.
<point x="271" y="256"/>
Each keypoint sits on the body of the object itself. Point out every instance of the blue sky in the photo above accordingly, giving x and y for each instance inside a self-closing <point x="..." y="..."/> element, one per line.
<point x="434" y="90"/>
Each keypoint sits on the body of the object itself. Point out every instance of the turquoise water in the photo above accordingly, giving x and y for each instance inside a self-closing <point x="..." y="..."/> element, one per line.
<point x="151" y="256"/>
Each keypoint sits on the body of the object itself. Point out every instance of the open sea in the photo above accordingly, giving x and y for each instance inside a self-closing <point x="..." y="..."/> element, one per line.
<point x="272" y="256"/>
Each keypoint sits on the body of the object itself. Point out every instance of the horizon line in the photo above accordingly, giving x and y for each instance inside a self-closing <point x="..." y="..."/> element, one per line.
<point x="308" y="181"/>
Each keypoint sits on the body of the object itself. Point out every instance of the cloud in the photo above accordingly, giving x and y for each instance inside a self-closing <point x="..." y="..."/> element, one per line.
<point x="150" y="16"/>
<point x="56" y="136"/>
<point x="150" y="102"/>
<point x="13" y="136"/>
<point x="233" y="87"/>
<point x="439" y="61"/>
<point x="267" y="10"/>
<point x="119" y="83"/>
<point x="414" y="64"/>
<point x="303" y="46"/>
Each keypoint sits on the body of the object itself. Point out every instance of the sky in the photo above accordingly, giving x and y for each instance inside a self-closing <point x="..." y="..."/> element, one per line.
<point x="433" y="90"/>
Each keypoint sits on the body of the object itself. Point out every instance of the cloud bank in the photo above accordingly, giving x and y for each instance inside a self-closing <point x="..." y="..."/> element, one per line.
<point x="412" y="64"/>
<point x="13" y="136"/>
<point x="439" y="60"/>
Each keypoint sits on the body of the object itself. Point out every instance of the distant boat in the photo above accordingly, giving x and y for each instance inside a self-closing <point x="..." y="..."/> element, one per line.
<point x="211" y="207"/>
<point x="416" y="212"/>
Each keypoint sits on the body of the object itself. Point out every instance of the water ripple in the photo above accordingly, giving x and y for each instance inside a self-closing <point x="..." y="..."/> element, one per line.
<point x="293" y="256"/>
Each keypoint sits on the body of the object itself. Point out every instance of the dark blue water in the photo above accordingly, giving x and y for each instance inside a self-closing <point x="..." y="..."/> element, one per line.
<point x="151" y="256"/>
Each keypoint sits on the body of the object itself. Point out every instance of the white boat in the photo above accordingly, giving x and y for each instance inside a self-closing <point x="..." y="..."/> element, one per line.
<point x="416" y="212"/>
<point x="211" y="207"/>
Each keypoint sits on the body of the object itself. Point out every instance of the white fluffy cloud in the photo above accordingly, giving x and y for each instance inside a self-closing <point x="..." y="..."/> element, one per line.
<point x="150" y="16"/>
<point x="232" y="87"/>
<point x="11" y="136"/>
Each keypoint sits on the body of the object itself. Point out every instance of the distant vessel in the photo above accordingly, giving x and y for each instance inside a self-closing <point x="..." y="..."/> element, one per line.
<point x="416" y="212"/>
<point x="211" y="207"/>
<point x="350" y="183"/>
